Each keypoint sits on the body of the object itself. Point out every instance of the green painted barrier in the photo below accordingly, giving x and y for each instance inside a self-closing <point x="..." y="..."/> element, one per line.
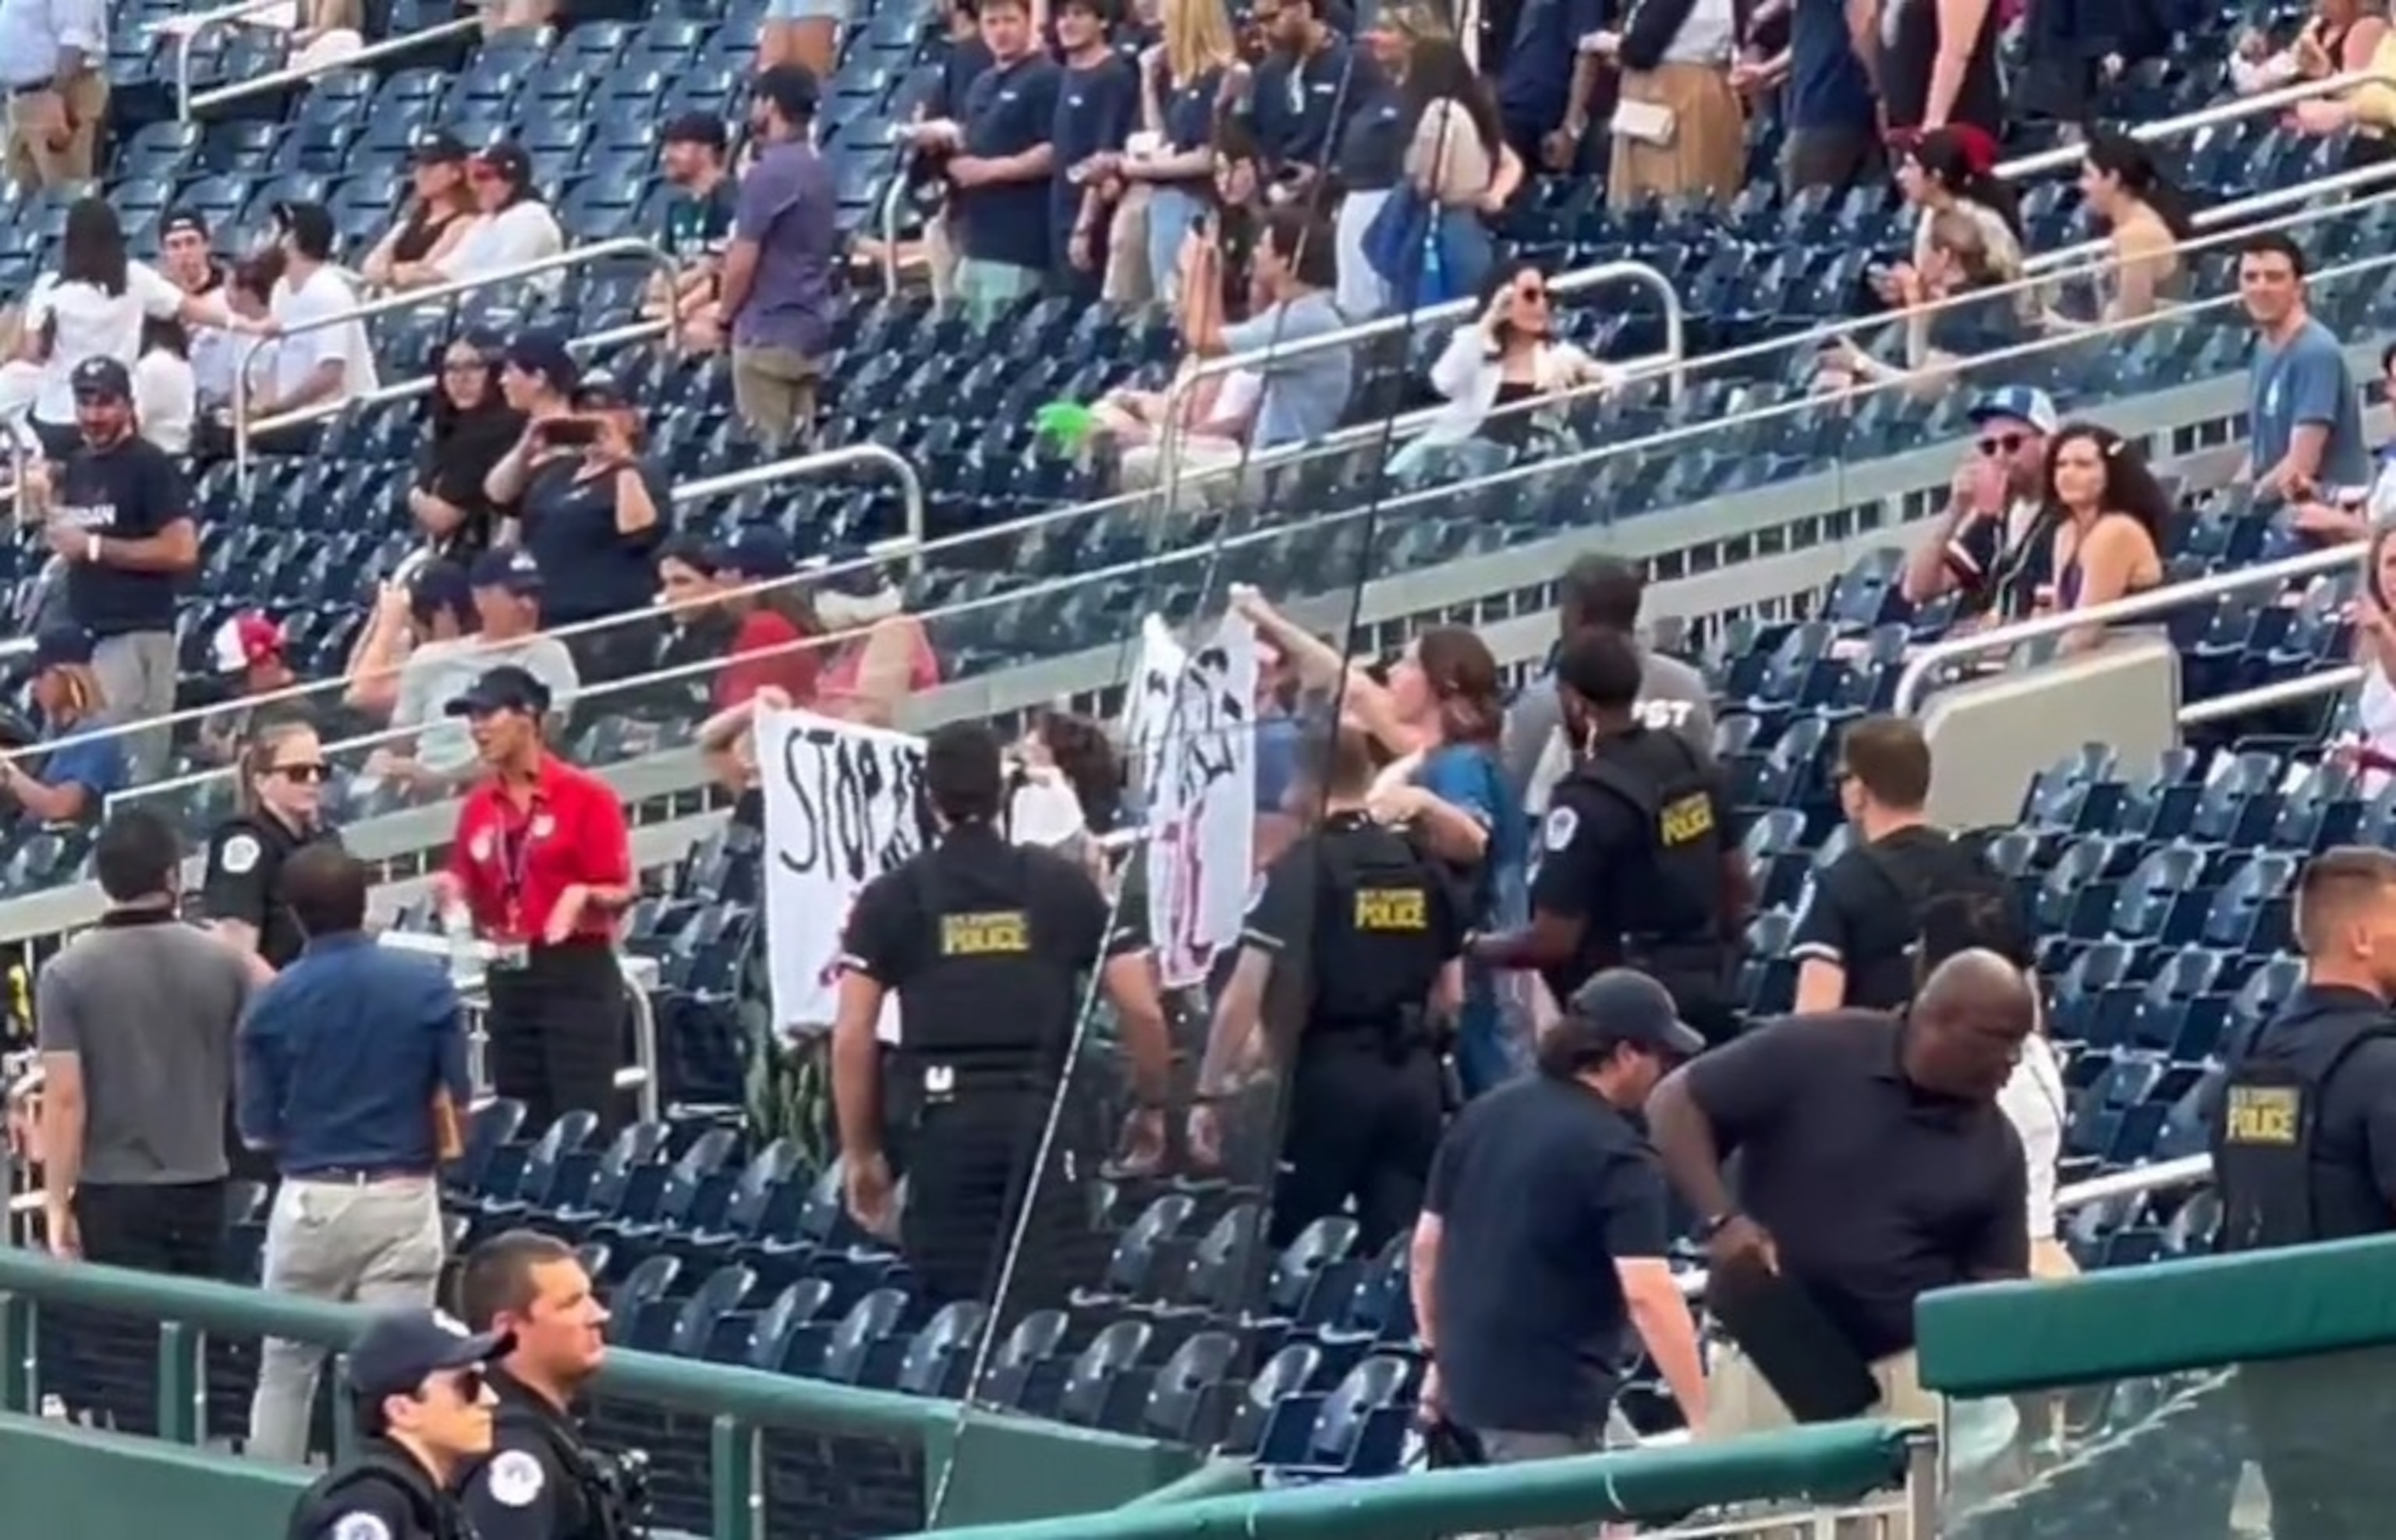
<point x="994" y="1467"/>
<point x="1836" y="1463"/>
<point x="1997" y="1339"/>
<point x="67" y="1480"/>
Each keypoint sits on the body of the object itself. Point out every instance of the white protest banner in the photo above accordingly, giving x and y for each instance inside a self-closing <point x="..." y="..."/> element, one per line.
<point x="843" y="804"/>
<point x="1193" y="719"/>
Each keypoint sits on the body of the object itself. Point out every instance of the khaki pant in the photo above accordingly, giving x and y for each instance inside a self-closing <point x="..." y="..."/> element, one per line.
<point x="774" y="390"/>
<point x="32" y="162"/>
<point x="1740" y="1401"/>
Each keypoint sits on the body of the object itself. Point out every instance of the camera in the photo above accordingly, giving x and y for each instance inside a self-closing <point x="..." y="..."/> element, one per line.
<point x="570" y="433"/>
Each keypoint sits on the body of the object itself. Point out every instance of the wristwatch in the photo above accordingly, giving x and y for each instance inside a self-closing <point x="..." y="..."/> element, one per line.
<point x="1708" y="1228"/>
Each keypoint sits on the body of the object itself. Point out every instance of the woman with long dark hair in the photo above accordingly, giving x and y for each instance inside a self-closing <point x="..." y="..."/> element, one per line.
<point x="2146" y="216"/>
<point x="2369" y="748"/>
<point x="2111" y="522"/>
<point x="1953" y="171"/>
<point x="1456" y="159"/>
<point x="1083" y="757"/>
<point x="472" y="428"/>
<point x="1495" y="372"/>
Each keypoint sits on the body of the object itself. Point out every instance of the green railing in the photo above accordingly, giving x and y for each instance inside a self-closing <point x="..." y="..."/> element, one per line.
<point x="993" y="1468"/>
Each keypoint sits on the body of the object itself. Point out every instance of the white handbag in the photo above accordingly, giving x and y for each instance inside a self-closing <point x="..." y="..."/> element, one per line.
<point x="1647" y="121"/>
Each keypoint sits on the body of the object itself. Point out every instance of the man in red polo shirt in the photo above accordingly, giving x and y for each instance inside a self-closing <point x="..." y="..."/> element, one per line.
<point x="541" y="865"/>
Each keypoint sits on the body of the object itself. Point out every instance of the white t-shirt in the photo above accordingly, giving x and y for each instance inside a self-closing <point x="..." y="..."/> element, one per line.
<point x="2034" y="1101"/>
<point x="296" y="353"/>
<point x="87" y="322"/>
<point x="519" y="234"/>
<point x="166" y="399"/>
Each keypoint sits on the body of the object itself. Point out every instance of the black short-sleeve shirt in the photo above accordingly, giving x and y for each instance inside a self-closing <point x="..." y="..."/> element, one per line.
<point x="130" y="491"/>
<point x="1860" y="913"/>
<point x="1541" y="1187"/>
<point x="589" y="568"/>
<point x="244" y="881"/>
<point x="1874" y="1191"/>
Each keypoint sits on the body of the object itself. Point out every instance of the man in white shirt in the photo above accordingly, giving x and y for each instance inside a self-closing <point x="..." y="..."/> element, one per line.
<point x="53" y="58"/>
<point x="322" y="357"/>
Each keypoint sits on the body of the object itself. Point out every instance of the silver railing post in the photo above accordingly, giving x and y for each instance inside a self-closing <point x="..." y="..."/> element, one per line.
<point x="911" y="483"/>
<point x="280" y="79"/>
<point x="187" y="30"/>
<point x="2067" y="155"/>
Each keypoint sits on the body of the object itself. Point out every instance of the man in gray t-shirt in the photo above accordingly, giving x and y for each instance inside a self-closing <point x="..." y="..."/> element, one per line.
<point x="1604" y="591"/>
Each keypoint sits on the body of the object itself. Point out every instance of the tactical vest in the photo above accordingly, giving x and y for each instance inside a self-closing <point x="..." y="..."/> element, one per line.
<point x="983" y="980"/>
<point x="1677" y="902"/>
<point x="333" y="1495"/>
<point x="2277" y="1189"/>
<point x="1377" y="931"/>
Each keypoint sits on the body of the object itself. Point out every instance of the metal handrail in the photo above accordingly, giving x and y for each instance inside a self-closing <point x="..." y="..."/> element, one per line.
<point x="282" y="79"/>
<point x="188" y="30"/>
<point x="2065" y="156"/>
<point x="632" y="331"/>
<point x="2135" y="606"/>
<point x="911" y="482"/>
<point x="599" y="251"/>
<point x="2236" y="212"/>
<point x="2284" y="691"/>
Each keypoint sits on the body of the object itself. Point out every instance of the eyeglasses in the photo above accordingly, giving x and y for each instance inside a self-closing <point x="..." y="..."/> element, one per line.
<point x="2002" y="443"/>
<point x="463" y="365"/>
<point x="307" y="774"/>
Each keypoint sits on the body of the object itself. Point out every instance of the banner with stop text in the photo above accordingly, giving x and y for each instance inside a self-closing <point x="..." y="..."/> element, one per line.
<point x="843" y="804"/>
<point x="1193" y="722"/>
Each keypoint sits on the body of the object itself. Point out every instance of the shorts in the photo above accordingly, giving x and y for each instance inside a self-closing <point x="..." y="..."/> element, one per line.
<point x="807" y="10"/>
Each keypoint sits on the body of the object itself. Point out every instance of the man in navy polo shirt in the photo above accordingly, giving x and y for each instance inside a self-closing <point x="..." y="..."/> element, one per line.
<point x="1303" y="95"/>
<point x="1833" y="131"/>
<point x="998" y="215"/>
<point x="778" y="271"/>
<point x="118" y="514"/>
<point x="1098" y="106"/>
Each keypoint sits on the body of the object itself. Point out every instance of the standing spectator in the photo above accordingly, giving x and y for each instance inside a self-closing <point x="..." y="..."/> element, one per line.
<point x="1186" y="83"/>
<point x="542" y="866"/>
<point x="1861" y="919"/>
<point x="471" y="429"/>
<point x="82" y="761"/>
<point x="2304" y="419"/>
<point x="1678" y="128"/>
<point x="439" y="210"/>
<point x="1833" y="136"/>
<point x="1545" y="99"/>
<point x="778" y="270"/>
<point x="1544" y="1235"/>
<point x="54" y="62"/>
<point x="698" y="226"/>
<point x="1371" y="156"/>
<point x="804" y="33"/>
<point x="1603" y="593"/>
<point x="1990" y="549"/>
<point x="1873" y="1167"/>
<point x="1456" y="161"/>
<point x="354" y="1075"/>
<point x="188" y="262"/>
<point x="465" y="624"/>
<point x="225" y="364"/>
<point x="1097" y="102"/>
<point x="134" y="1019"/>
<point x="772" y="621"/>
<point x="119" y="513"/>
<point x="513" y="227"/>
<point x="1304" y="91"/>
<point x="998" y="209"/>
<point x="322" y="355"/>
<point x="1935" y="62"/>
<point x="592" y="515"/>
<point x="1295" y="269"/>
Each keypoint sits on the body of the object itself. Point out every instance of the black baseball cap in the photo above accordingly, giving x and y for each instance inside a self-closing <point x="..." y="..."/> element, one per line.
<point x="546" y="355"/>
<point x="310" y="226"/>
<point x="599" y="393"/>
<point x="700" y="128"/>
<point x="438" y="587"/>
<point x="439" y="147"/>
<point x="101" y="379"/>
<point x="757" y="552"/>
<point x="400" y="1349"/>
<point x="58" y="646"/>
<point x="182" y="221"/>
<point x="793" y="89"/>
<point x="510" y="160"/>
<point x="505" y="688"/>
<point x="1618" y="1006"/>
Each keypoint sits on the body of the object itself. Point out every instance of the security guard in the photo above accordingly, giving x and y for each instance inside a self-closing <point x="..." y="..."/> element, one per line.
<point x="1638" y="862"/>
<point x="985" y="944"/>
<point x="542" y="1482"/>
<point x="282" y="773"/>
<point x="2304" y="1149"/>
<point x="423" y="1411"/>
<point x="1352" y="933"/>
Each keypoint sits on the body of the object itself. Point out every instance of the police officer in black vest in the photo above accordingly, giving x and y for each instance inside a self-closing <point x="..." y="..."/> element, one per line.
<point x="423" y="1410"/>
<point x="1639" y="861"/>
<point x="1344" y="976"/>
<point x="986" y="945"/>
<point x="282" y="773"/>
<point x="2304" y="1149"/>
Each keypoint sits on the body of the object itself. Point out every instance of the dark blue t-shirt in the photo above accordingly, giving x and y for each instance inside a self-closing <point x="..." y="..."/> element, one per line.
<point x="1009" y="110"/>
<point x="1298" y="105"/>
<point x="589" y="568"/>
<point x="95" y="763"/>
<point x="1188" y="111"/>
<point x="1097" y="109"/>
<point x="965" y="60"/>
<point x="1373" y="147"/>
<point x="1536" y="85"/>
<point x="131" y="491"/>
<point x="1827" y="86"/>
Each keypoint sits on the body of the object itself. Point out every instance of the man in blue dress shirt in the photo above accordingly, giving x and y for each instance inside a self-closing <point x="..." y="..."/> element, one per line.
<point x="353" y="1070"/>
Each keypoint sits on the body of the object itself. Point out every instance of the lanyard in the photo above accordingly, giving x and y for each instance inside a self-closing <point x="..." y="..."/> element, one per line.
<point x="515" y="858"/>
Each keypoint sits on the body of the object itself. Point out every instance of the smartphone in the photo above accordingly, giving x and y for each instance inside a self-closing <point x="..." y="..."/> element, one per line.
<point x="571" y="433"/>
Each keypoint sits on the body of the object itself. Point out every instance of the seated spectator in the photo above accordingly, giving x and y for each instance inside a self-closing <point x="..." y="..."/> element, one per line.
<point x="697" y="228"/>
<point x="1954" y="307"/>
<point x="447" y="604"/>
<point x="2112" y="515"/>
<point x="218" y="355"/>
<point x="512" y="225"/>
<point x="878" y="654"/>
<point x="1493" y="370"/>
<point x="2146" y="217"/>
<point x="473" y="427"/>
<point x="698" y="632"/>
<point x="1989" y="548"/>
<point x="82" y="766"/>
<point x="773" y="621"/>
<point x="166" y="395"/>
<point x="1952" y="171"/>
<point x="322" y="354"/>
<point x="1218" y="414"/>
<point x="2370" y="749"/>
<point x="439" y="211"/>
<point x="2349" y="37"/>
<point x="247" y="655"/>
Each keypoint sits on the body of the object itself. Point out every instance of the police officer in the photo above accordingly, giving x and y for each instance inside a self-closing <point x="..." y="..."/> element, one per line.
<point x="1639" y="861"/>
<point x="423" y="1411"/>
<point x="984" y="943"/>
<point x="282" y="773"/>
<point x="2304" y="1149"/>
<point x="542" y="1482"/>
<point x="1350" y="936"/>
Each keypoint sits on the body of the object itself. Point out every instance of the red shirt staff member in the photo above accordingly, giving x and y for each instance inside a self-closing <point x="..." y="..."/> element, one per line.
<point x="541" y="867"/>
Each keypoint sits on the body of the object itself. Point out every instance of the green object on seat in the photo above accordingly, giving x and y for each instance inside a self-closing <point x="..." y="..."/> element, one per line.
<point x="1067" y="422"/>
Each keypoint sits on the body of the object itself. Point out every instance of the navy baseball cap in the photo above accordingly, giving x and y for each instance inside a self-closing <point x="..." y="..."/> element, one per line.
<point x="58" y="645"/>
<point x="513" y="570"/>
<point x="441" y="586"/>
<point x="438" y="148"/>
<point x="1625" y="1005"/>
<point x="508" y="161"/>
<point x="545" y="354"/>
<point x="2022" y="403"/>
<point x="400" y="1349"/>
<point x="103" y="379"/>
<point x="180" y="221"/>
<point x="758" y="551"/>
<point x="505" y="688"/>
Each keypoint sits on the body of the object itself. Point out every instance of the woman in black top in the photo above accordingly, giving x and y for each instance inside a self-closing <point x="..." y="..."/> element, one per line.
<point x="437" y="217"/>
<point x="1938" y="66"/>
<point x="473" y="427"/>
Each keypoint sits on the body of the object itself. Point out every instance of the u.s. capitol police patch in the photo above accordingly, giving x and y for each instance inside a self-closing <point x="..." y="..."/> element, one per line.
<point x="361" y="1526"/>
<point x="516" y="1479"/>
<point x="239" y="855"/>
<point x="1561" y="824"/>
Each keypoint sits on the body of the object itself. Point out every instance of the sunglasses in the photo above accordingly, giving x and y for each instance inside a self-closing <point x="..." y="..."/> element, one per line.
<point x="1531" y="296"/>
<point x="2002" y="443"/>
<point x="307" y="774"/>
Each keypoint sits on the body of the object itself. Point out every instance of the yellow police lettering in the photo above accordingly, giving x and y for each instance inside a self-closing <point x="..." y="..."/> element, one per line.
<point x="1686" y="818"/>
<point x="1392" y="909"/>
<point x="994" y="933"/>
<point x="2263" y="1115"/>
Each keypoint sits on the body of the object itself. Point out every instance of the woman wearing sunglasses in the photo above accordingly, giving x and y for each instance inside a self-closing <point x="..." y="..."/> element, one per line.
<point x="283" y="774"/>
